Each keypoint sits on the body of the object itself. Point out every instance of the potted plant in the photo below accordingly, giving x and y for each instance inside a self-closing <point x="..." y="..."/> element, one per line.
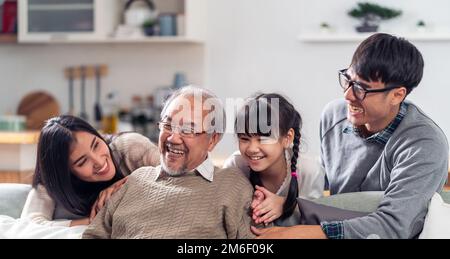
<point x="325" y="27"/>
<point x="149" y="27"/>
<point x="421" y="26"/>
<point x="371" y="15"/>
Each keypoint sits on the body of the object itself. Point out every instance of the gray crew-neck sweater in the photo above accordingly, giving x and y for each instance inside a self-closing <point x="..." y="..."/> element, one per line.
<point x="409" y="168"/>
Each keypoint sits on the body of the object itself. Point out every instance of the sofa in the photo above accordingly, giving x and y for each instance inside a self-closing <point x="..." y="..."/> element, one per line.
<point x="13" y="197"/>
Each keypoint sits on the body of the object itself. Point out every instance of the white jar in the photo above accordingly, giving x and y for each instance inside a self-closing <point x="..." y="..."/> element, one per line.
<point x="139" y="12"/>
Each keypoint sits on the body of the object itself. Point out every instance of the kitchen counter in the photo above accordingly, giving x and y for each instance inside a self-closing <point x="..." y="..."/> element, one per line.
<point x="17" y="156"/>
<point x="21" y="137"/>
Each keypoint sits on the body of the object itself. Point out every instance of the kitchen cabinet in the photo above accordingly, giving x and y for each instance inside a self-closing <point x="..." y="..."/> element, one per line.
<point x="17" y="156"/>
<point x="54" y="20"/>
<point x="95" y="21"/>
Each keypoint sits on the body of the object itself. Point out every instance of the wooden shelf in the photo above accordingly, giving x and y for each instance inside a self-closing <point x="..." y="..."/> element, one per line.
<point x="25" y="177"/>
<point x="25" y="137"/>
<point x="130" y="40"/>
<point x="12" y="38"/>
<point x="8" y="38"/>
<point x="151" y="39"/>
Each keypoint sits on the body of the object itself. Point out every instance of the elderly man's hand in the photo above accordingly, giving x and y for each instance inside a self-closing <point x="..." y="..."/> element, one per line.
<point x="294" y="232"/>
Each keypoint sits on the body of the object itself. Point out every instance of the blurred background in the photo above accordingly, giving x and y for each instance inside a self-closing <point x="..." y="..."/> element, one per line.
<point x="114" y="62"/>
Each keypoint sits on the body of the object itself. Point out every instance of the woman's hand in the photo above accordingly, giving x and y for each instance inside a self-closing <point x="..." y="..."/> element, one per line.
<point x="269" y="209"/>
<point x="79" y="222"/>
<point x="104" y="196"/>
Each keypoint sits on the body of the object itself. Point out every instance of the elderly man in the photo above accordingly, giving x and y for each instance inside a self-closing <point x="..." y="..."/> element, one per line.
<point x="185" y="197"/>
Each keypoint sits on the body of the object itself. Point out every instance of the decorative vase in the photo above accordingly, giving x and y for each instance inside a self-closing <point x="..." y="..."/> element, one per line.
<point x="138" y="11"/>
<point x="370" y="23"/>
<point x="367" y="28"/>
<point x="149" y="30"/>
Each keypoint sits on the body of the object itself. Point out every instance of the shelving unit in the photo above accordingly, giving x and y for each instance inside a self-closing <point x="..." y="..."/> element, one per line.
<point x="22" y="137"/>
<point x="193" y="25"/>
<point x="8" y="38"/>
<point x="357" y="37"/>
<point x="17" y="156"/>
<point x="132" y="40"/>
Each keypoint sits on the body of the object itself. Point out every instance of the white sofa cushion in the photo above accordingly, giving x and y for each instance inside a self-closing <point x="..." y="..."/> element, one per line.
<point x="23" y="228"/>
<point x="437" y="221"/>
<point x="12" y="198"/>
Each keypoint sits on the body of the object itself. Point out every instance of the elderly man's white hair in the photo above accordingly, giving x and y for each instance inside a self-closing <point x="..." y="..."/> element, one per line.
<point x="209" y="100"/>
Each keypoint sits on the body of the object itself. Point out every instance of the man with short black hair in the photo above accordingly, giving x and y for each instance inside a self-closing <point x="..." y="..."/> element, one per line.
<point x="374" y="140"/>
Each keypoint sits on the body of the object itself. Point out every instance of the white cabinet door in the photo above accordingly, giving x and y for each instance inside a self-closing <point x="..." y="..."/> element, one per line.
<point x="78" y="21"/>
<point x="68" y="20"/>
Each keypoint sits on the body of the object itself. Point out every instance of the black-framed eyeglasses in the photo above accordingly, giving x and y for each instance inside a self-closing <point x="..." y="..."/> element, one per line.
<point x="359" y="89"/>
<point x="184" y="131"/>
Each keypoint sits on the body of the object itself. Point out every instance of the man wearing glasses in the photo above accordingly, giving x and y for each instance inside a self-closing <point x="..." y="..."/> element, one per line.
<point x="374" y="140"/>
<point x="185" y="197"/>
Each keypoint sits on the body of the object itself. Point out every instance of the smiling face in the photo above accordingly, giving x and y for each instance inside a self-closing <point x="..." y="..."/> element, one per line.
<point x="264" y="154"/>
<point x="90" y="159"/>
<point x="377" y="110"/>
<point x="179" y="153"/>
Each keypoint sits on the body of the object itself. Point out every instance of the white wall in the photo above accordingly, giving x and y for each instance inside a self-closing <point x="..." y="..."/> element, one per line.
<point x="434" y="13"/>
<point x="252" y="46"/>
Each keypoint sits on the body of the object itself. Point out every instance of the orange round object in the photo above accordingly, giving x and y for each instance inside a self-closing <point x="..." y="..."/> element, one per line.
<point x="38" y="107"/>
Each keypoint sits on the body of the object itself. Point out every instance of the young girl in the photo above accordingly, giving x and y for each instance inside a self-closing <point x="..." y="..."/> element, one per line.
<point x="270" y="158"/>
<point x="75" y="164"/>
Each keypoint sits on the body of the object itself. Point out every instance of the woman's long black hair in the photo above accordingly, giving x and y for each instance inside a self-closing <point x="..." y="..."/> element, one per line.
<point x="288" y="118"/>
<point x="53" y="167"/>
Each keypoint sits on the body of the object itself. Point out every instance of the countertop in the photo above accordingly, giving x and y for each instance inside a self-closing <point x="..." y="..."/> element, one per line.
<point x="19" y="137"/>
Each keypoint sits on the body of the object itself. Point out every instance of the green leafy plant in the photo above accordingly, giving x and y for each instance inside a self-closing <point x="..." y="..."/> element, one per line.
<point x="149" y="23"/>
<point x="367" y="9"/>
<point x="324" y="25"/>
<point x="149" y="27"/>
<point x="371" y="14"/>
<point x="421" y="23"/>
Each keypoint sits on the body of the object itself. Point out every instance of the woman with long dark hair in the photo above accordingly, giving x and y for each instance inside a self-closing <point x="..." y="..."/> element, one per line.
<point x="268" y="130"/>
<point x="75" y="164"/>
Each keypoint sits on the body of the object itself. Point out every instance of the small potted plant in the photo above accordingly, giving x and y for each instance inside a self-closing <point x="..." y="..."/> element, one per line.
<point x="149" y="27"/>
<point x="421" y="26"/>
<point x="371" y="15"/>
<point x="325" y="27"/>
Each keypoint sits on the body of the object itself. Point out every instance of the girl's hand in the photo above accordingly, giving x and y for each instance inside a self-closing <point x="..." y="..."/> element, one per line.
<point x="104" y="196"/>
<point x="270" y="209"/>
<point x="258" y="197"/>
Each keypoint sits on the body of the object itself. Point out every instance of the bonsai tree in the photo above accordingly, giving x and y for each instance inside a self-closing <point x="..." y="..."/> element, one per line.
<point x="371" y="15"/>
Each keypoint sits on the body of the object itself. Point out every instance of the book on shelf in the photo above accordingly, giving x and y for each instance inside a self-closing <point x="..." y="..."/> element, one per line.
<point x="9" y="16"/>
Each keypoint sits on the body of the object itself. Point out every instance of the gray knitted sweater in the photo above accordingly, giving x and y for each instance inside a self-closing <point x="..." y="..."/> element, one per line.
<point x="409" y="168"/>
